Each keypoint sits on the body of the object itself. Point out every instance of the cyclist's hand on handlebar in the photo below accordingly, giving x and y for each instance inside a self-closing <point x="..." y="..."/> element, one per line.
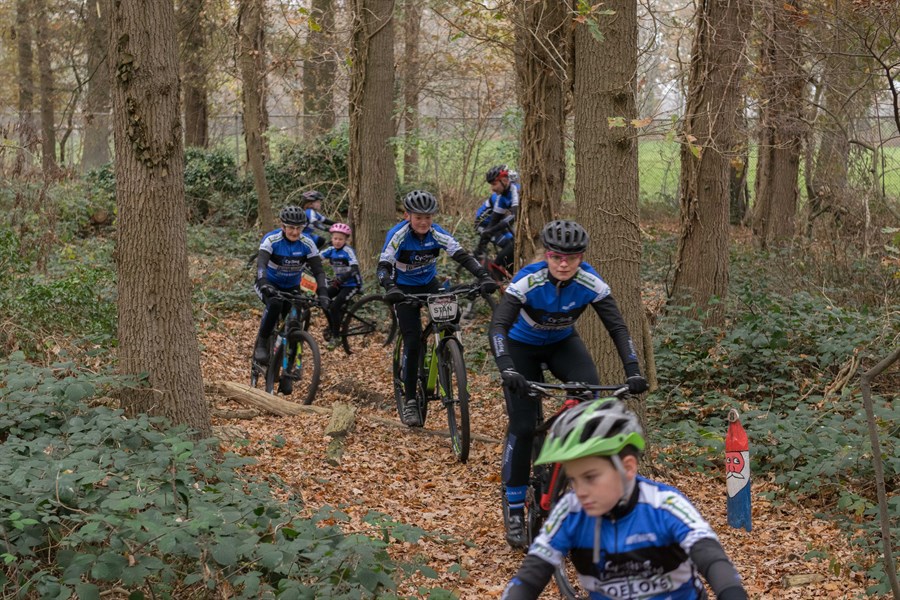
<point x="514" y="381"/>
<point x="487" y="285"/>
<point x="637" y="384"/>
<point x="394" y="295"/>
<point x="267" y="290"/>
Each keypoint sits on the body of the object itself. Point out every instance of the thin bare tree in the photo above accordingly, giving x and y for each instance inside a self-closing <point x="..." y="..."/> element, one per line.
<point x="251" y="58"/>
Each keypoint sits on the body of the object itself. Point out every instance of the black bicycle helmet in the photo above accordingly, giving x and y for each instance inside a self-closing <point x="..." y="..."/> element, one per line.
<point x="495" y="172"/>
<point x="420" y="201"/>
<point x="567" y="237"/>
<point x="293" y="215"/>
<point x="312" y="196"/>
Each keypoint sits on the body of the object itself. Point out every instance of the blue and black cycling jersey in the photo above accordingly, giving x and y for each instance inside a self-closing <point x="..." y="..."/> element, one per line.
<point x="497" y="213"/>
<point x="411" y="259"/>
<point x="281" y="261"/>
<point x="345" y="266"/>
<point x="538" y="310"/>
<point x="650" y="548"/>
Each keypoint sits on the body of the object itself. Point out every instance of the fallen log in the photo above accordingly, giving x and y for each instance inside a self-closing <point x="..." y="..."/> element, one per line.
<point x="268" y="403"/>
<point x="261" y="400"/>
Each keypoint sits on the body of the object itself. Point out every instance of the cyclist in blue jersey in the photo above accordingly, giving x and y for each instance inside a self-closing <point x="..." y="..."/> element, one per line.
<point x="534" y="325"/>
<point x="495" y="217"/>
<point x="315" y="221"/>
<point x="408" y="265"/>
<point x="346" y="281"/>
<point x="283" y="254"/>
<point x="628" y="537"/>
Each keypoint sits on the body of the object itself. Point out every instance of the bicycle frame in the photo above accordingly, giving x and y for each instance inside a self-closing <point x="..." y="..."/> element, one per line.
<point x="297" y="319"/>
<point x="442" y="331"/>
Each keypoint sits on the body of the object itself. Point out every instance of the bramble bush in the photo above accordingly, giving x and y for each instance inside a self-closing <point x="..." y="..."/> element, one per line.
<point x="96" y="502"/>
<point x="319" y="164"/>
<point x="75" y="300"/>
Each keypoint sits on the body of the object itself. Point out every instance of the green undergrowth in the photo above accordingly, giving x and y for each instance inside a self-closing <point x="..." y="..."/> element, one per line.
<point x="776" y="360"/>
<point x="97" y="504"/>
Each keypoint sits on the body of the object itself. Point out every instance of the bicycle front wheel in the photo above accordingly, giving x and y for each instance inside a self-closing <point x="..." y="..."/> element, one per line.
<point x="273" y="371"/>
<point x="370" y="322"/>
<point x="454" y="394"/>
<point x="305" y="368"/>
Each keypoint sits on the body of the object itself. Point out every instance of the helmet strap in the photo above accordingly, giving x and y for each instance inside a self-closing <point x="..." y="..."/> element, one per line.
<point x="627" y="484"/>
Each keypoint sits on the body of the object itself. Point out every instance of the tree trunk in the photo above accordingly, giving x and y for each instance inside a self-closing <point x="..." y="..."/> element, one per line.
<point x="712" y="118"/>
<point x="844" y="103"/>
<point x="319" y="71"/>
<point x="411" y="83"/>
<point x="606" y="177"/>
<point x="96" y="103"/>
<point x="193" y="29"/>
<point x="251" y="53"/>
<point x="45" y="76"/>
<point x="781" y="124"/>
<point x="26" y="86"/>
<point x="739" y="197"/>
<point x="156" y="327"/>
<point x="541" y="61"/>
<point x="371" y="161"/>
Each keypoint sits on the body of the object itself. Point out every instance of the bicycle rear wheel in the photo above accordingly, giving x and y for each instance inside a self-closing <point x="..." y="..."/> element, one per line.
<point x="455" y="396"/>
<point x="566" y="576"/>
<point x="305" y="368"/>
<point x="369" y="322"/>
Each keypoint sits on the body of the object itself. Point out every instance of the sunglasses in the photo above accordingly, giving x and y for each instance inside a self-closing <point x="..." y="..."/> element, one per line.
<point x="559" y="257"/>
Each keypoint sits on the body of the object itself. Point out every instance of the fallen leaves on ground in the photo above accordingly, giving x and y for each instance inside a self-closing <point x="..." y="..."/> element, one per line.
<point x="415" y="479"/>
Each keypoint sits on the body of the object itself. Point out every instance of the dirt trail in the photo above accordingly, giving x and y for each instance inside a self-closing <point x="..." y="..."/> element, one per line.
<point x="415" y="479"/>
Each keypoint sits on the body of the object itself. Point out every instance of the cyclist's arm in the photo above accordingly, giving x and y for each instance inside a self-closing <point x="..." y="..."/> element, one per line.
<point x="322" y="222"/>
<point x="530" y="580"/>
<point x="609" y="313"/>
<point x="504" y="316"/>
<point x="315" y="265"/>
<point x="469" y="263"/>
<point x="262" y="263"/>
<point x="713" y="564"/>
<point x="500" y="220"/>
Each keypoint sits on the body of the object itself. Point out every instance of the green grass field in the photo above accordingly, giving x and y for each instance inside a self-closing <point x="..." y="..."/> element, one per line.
<point x="659" y="167"/>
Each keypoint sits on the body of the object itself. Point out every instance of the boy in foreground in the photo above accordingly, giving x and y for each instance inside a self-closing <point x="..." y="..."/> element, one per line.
<point x="628" y="537"/>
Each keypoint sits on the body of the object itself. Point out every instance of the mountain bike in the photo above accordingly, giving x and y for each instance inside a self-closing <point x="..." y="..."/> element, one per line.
<point x="441" y="368"/>
<point x="293" y="353"/>
<point x="548" y="483"/>
<point x="368" y="322"/>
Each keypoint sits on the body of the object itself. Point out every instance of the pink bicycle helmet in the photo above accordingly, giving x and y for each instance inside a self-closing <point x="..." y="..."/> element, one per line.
<point x="340" y="228"/>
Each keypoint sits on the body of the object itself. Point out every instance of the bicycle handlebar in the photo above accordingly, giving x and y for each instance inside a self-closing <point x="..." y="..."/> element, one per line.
<point x="538" y="388"/>
<point x="462" y="289"/>
<point x="301" y="298"/>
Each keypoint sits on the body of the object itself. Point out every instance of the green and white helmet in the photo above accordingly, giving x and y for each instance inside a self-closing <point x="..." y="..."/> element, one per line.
<point x="602" y="427"/>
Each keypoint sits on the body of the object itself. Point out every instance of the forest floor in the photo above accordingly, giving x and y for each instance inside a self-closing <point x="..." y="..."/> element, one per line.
<point x="415" y="479"/>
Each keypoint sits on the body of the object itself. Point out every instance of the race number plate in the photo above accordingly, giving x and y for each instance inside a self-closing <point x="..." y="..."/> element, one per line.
<point x="308" y="283"/>
<point x="443" y="308"/>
